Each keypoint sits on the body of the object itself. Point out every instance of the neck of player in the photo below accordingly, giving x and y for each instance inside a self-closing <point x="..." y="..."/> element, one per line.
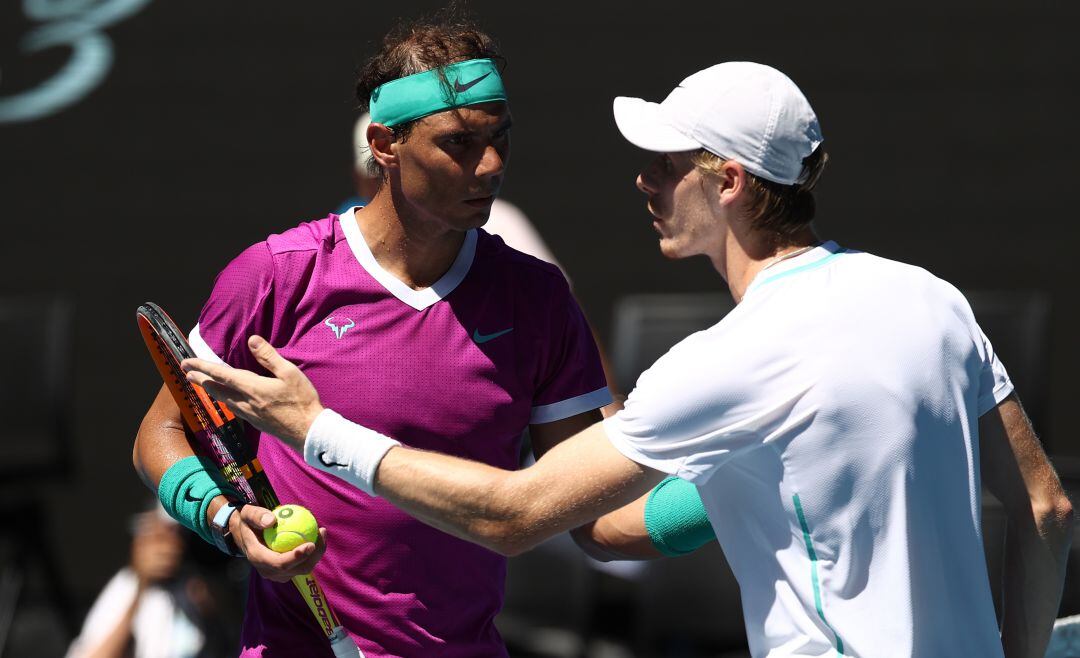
<point x="417" y="250"/>
<point x="745" y="254"/>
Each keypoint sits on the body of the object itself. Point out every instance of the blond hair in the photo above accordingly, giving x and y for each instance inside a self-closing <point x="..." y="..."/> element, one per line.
<point x="782" y="210"/>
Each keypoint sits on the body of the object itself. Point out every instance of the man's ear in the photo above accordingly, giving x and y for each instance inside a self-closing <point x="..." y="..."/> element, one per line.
<point x="731" y="183"/>
<point x="381" y="141"/>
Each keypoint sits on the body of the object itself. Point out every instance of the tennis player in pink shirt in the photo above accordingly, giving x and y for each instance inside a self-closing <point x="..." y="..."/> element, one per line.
<point x="410" y="318"/>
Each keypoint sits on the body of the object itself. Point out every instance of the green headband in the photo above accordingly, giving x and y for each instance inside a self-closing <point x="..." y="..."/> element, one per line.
<point x="416" y="96"/>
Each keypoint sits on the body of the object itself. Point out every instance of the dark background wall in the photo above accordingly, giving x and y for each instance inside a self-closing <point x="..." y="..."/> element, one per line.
<point x="951" y="128"/>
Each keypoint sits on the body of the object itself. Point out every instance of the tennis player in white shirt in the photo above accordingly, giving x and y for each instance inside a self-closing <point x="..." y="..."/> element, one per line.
<point x="839" y="423"/>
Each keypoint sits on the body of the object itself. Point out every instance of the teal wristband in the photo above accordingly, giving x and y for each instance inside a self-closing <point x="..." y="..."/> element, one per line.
<point x="186" y="489"/>
<point x="675" y="518"/>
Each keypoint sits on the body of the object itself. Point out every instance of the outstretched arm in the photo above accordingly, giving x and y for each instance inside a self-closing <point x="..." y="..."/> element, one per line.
<point x="1040" y="525"/>
<point x="618" y="535"/>
<point x="575" y="482"/>
<point x="511" y="511"/>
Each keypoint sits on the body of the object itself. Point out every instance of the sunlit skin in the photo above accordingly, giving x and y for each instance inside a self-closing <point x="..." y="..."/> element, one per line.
<point x="698" y="214"/>
<point x="440" y="181"/>
<point x="679" y="199"/>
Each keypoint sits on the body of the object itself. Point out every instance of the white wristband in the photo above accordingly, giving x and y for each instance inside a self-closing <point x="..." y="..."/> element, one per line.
<point x="341" y="447"/>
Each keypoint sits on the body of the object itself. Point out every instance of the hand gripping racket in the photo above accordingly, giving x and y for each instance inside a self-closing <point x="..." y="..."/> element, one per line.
<point x="220" y="436"/>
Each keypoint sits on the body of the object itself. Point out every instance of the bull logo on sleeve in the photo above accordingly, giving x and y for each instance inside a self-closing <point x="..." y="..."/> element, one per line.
<point x="339" y="329"/>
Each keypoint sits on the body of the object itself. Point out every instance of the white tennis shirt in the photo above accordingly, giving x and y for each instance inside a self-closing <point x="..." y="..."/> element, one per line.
<point x="830" y="423"/>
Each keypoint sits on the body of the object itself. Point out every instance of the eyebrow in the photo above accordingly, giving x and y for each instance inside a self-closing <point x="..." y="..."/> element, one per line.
<point x="468" y="132"/>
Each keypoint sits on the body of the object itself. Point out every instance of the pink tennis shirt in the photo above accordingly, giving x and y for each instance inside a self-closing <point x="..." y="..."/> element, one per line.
<point x="462" y="367"/>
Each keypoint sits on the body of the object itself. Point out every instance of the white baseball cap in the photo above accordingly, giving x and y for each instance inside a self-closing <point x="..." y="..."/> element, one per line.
<point x="741" y="111"/>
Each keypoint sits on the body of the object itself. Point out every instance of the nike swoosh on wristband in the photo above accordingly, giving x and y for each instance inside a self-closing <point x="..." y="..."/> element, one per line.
<point x="329" y="464"/>
<point x="461" y="88"/>
<point x="483" y="338"/>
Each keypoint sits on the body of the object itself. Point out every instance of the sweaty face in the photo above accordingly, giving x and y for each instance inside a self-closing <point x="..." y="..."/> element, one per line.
<point x="452" y="164"/>
<point x="679" y="204"/>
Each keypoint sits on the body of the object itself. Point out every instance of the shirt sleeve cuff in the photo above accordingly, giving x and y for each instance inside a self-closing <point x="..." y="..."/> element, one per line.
<point x="201" y="349"/>
<point x="672" y="466"/>
<point x="549" y="413"/>
<point x="1002" y="391"/>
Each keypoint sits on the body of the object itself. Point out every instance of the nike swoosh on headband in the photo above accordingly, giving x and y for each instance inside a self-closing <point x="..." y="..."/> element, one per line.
<point x="461" y="88"/>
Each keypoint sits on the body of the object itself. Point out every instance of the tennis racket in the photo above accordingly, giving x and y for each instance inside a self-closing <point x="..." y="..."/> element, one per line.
<point x="219" y="435"/>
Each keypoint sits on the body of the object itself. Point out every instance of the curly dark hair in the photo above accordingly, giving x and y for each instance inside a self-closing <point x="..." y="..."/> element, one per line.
<point x="430" y="42"/>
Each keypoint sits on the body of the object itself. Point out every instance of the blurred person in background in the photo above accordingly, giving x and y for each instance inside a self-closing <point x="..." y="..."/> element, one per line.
<point x="158" y="606"/>
<point x="364" y="174"/>
<point x="839" y="423"/>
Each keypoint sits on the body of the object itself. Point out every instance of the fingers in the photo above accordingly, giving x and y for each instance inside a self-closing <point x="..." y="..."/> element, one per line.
<point x="238" y="389"/>
<point x="278" y="567"/>
<point x="201" y="370"/>
<point x="256" y="517"/>
<point x="217" y="391"/>
<point x="239" y="403"/>
<point x="307" y="564"/>
<point x="269" y="358"/>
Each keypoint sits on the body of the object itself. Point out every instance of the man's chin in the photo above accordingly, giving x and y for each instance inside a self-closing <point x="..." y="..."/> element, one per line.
<point x="471" y="220"/>
<point x="480" y="218"/>
<point x="670" y="250"/>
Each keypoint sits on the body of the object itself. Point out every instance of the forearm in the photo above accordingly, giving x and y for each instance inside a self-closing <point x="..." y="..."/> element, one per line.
<point x="1036" y="551"/>
<point x="618" y="535"/>
<point x="575" y="482"/>
<point x="160" y="442"/>
<point x="159" y="445"/>
<point x="510" y="512"/>
<point x="1040" y="525"/>
<point x="670" y="521"/>
<point x="469" y="500"/>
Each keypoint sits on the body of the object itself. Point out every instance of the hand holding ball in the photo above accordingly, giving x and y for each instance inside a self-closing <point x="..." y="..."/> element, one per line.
<point x="295" y="526"/>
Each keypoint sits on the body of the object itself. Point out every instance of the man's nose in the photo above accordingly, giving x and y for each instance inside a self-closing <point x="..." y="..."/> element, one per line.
<point x="492" y="163"/>
<point x="644" y="185"/>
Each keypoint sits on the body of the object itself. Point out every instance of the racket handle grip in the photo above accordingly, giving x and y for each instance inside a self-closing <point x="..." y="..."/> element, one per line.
<point x="343" y="646"/>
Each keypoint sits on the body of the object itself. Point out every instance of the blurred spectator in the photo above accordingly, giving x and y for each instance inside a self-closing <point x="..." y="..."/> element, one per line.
<point x="364" y="181"/>
<point x="509" y="223"/>
<point x="155" y="607"/>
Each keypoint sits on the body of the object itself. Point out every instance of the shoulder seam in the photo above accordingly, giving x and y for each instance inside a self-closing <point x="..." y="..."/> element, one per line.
<point x="286" y="249"/>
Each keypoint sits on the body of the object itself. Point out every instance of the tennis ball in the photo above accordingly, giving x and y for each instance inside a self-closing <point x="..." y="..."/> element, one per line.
<point x="295" y="525"/>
